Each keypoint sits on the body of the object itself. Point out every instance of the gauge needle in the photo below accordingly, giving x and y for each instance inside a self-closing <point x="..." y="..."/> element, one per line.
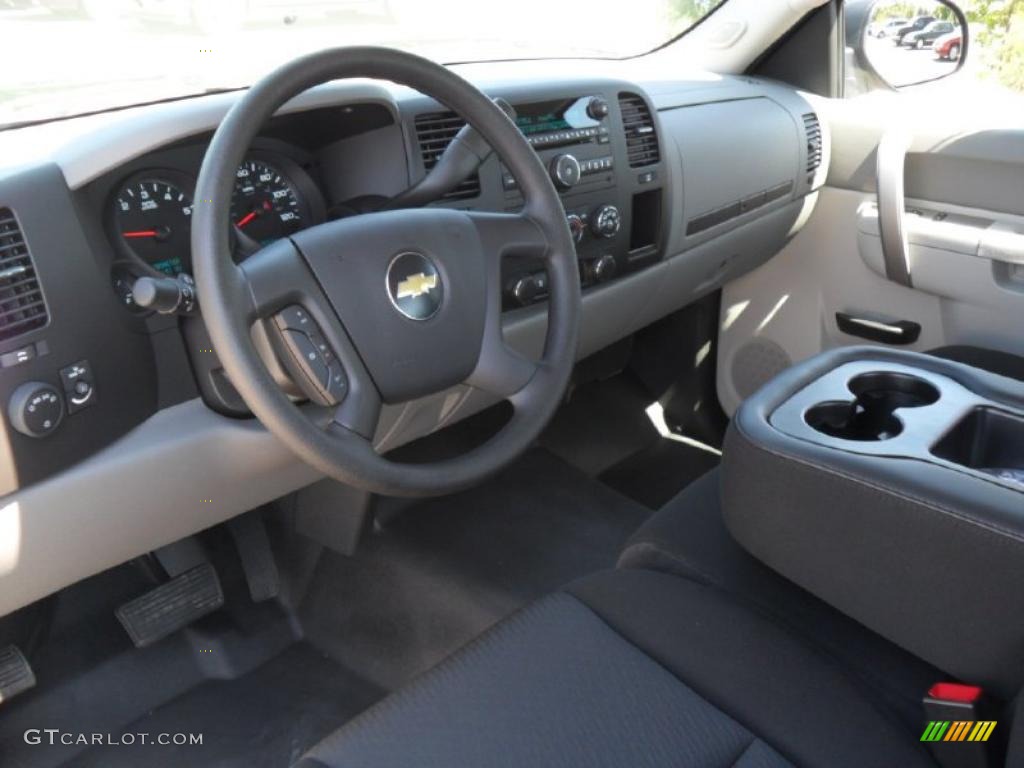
<point x="141" y="233"/>
<point x="246" y="219"/>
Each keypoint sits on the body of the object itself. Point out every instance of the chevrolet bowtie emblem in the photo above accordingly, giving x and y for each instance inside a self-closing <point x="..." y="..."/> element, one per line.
<point x="415" y="285"/>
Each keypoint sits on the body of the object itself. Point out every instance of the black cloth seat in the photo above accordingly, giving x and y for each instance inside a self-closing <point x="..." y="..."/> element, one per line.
<point x="629" y="668"/>
<point x="991" y="360"/>
<point x="688" y="537"/>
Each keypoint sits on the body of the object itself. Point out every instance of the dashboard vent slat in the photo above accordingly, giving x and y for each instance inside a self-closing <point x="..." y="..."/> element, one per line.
<point x="22" y="306"/>
<point x="434" y="132"/>
<point x="638" y="124"/>
<point x="815" y="147"/>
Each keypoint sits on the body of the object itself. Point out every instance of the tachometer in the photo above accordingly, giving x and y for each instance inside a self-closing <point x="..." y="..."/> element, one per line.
<point x="152" y="221"/>
<point x="266" y="205"/>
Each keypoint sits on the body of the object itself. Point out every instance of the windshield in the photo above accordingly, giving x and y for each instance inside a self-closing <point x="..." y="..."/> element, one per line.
<point x="68" y="57"/>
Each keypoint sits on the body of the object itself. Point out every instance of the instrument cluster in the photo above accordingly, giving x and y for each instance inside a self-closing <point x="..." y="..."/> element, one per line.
<point x="149" y="215"/>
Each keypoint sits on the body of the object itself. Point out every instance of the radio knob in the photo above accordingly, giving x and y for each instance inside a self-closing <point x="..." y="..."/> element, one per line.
<point x="606" y="221"/>
<point x="597" y="108"/>
<point x="576" y="226"/>
<point x="565" y="171"/>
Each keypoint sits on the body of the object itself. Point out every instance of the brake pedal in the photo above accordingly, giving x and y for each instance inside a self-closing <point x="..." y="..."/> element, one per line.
<point x="16" y="676"/>
<point x="171" y="606"/>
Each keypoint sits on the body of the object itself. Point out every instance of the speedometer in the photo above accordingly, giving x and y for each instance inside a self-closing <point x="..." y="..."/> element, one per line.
<point x="265" y="205"/>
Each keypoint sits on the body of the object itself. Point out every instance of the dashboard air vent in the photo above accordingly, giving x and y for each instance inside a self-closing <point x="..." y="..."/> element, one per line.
<point x="435" y="132"/>
<point x="812" y="127"/>
<point x="22" y="308"/>
<point x="641" y="138"/>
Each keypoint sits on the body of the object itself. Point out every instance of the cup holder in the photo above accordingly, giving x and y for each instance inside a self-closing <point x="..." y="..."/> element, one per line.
<point x="894" y="390"/>
<point x="871" y="415"/>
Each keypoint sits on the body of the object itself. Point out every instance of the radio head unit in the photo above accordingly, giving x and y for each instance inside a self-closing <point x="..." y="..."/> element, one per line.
<point x="560" y="122"/>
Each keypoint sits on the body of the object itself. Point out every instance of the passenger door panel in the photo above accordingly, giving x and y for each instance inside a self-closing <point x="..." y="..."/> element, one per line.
<point x="964" y="226"/>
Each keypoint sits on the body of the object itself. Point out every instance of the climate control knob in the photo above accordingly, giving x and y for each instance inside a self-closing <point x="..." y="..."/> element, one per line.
<point x="36" y="409"/>
<point x="605" y="268"/>
<point x="576" y="226"/>
<point x="606" y="221"/>
<point x="526" y="290"/>
<point x="565" y="171"/>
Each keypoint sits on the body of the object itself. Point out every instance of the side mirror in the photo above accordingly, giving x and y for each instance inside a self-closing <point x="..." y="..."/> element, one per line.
<point x="901" y="44"/>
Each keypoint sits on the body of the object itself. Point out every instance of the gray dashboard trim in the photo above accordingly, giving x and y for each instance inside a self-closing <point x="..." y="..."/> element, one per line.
<point x="183" y="470"/>
<point x="154" y="128"/>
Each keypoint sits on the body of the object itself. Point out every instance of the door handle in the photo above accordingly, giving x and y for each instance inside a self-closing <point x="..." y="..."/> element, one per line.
<point x="898" y="332"/>
<point x="891" y="160"/>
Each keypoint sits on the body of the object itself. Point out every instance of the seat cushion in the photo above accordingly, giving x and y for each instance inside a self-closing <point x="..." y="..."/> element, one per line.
<point x="688" y="537"/>
<point x="627" y="668"/>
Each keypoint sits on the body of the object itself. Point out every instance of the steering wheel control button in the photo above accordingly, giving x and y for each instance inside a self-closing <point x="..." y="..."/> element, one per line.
<point x="309" y="358"/>
<point x="322" y="346"/>
<point x="36" y="409"/>
<point x="79" y="386"/>
<point x="312" y="356"/>
<point x="337" y="384"/>
<point x="414" y="286"/>
<point x="295" y="318"/>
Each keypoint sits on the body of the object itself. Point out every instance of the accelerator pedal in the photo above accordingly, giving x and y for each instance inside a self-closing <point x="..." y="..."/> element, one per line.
<point x="261" y="574"/>
<point x="171" y="606"/>
<point x="16" y="676"/>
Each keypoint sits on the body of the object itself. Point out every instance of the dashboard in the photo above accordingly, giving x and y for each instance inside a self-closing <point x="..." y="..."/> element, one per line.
<point x="670" y="188"/>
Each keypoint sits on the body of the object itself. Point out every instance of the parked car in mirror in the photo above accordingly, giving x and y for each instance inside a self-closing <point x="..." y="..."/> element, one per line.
<point x="927" y="36"/>
<point x="888" y="28"/>
<point x="949" y="46"/>
<point x="916" y="25"/>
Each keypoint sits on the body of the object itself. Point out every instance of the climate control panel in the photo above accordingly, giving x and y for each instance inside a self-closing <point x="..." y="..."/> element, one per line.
<point x="594" y="232"/>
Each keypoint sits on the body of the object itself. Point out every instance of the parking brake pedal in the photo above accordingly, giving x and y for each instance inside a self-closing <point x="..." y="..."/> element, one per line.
<point x="16" y="675"/>
<point x="171" y="606"/>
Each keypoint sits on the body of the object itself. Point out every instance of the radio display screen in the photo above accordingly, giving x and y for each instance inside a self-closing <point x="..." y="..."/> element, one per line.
<point x="550" y="116"/>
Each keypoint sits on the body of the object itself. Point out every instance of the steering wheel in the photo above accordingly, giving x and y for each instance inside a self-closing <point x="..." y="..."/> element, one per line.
<point x="401" y="304"/>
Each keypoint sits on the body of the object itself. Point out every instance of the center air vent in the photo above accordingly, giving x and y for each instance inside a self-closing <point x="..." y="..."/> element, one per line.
<point x="435" y="132"/>
<point x="812" y="127"/>
<point x="22" y="308"/>
<point x="641" y="138"/>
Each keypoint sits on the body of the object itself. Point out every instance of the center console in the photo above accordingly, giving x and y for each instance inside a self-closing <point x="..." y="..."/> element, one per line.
<point x="601" y="150"/>
<point x="601" y="145"/>
<point x="891" y="485"/>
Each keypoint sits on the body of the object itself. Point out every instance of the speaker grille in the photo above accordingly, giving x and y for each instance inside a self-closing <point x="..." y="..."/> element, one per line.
<point x="756" y="363"/>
